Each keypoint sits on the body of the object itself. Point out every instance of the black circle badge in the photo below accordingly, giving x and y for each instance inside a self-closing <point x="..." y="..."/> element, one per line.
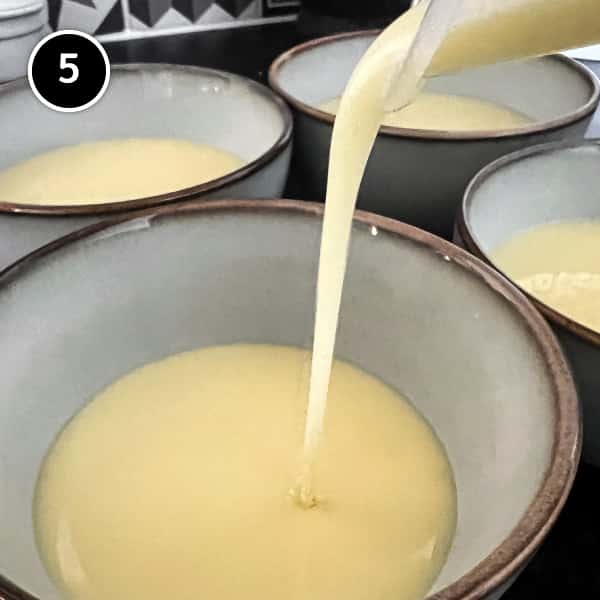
<point x="69" y="71"/>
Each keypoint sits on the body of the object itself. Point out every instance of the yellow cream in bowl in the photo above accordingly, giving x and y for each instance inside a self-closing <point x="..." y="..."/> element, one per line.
<point x="114" y="171"/>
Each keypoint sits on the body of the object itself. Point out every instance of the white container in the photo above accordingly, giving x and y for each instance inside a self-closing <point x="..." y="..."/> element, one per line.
<point x="22" y="26"/>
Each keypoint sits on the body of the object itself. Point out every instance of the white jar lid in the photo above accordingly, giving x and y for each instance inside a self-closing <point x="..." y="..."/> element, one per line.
<point x="21" y="17"/>
<point x="11" y="9"/>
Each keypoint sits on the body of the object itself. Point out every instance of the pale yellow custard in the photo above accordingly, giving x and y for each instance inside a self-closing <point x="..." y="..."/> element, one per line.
<point x="446" y="112"/>
<point x="175" y="483"/>
<point x="113" y="171"/>
<point x="559" y="264"/>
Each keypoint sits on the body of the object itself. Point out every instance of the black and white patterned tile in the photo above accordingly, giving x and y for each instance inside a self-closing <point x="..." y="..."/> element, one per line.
<point x="156" y="14"/>
<point x="112" y="16"/>
<point x="92" y="16"/>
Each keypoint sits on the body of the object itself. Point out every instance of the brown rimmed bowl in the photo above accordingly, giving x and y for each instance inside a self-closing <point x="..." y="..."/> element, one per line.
<point x="460" y="341"/>
<point x="227" y="111"/>
<point x="549" y="183"/>
<point x="420" y="176"/>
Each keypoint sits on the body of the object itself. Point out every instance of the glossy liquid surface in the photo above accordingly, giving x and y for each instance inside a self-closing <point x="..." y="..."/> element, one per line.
<point x="175" y="483"/>
<point x="445" y="112"/>
<point x="113" y="171"/>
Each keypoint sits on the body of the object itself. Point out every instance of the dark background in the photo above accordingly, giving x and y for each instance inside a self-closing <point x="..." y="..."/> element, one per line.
<point x="358" y="8"/>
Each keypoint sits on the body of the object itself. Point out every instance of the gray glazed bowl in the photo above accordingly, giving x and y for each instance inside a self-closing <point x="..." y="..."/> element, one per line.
<point x="420" y="176"/>
<point x="553" y="182"/>
<point x="471" y="352"/>
<point x="146" y="100"/>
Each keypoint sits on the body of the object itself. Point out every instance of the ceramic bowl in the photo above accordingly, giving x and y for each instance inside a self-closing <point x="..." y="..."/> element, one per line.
<point x="554" y="182"/>
<point x="150" y="100"/>
<point x="426" y="317"/>
<point x="419" y="176"/>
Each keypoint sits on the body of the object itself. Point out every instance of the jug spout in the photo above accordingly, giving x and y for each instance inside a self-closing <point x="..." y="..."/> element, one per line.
<point x="487" y="32"/>
<point x="453" y="36"/>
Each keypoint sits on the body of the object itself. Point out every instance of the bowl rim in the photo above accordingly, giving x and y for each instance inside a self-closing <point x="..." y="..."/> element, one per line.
<point x="469" y="237"/>
<point x="434" y="134"/>
<point x="511" y="555"/>
<point x="109" y="208"/>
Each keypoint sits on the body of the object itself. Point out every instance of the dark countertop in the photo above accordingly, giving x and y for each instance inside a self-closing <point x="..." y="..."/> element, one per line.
<point x="566" y="564"/>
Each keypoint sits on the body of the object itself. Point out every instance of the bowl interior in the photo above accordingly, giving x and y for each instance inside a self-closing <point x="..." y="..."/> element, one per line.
<point x="76" y="319"/>
<point x="189" y="103"/>
<point x="544" y="89"/>
<point x="556" y="184"/>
